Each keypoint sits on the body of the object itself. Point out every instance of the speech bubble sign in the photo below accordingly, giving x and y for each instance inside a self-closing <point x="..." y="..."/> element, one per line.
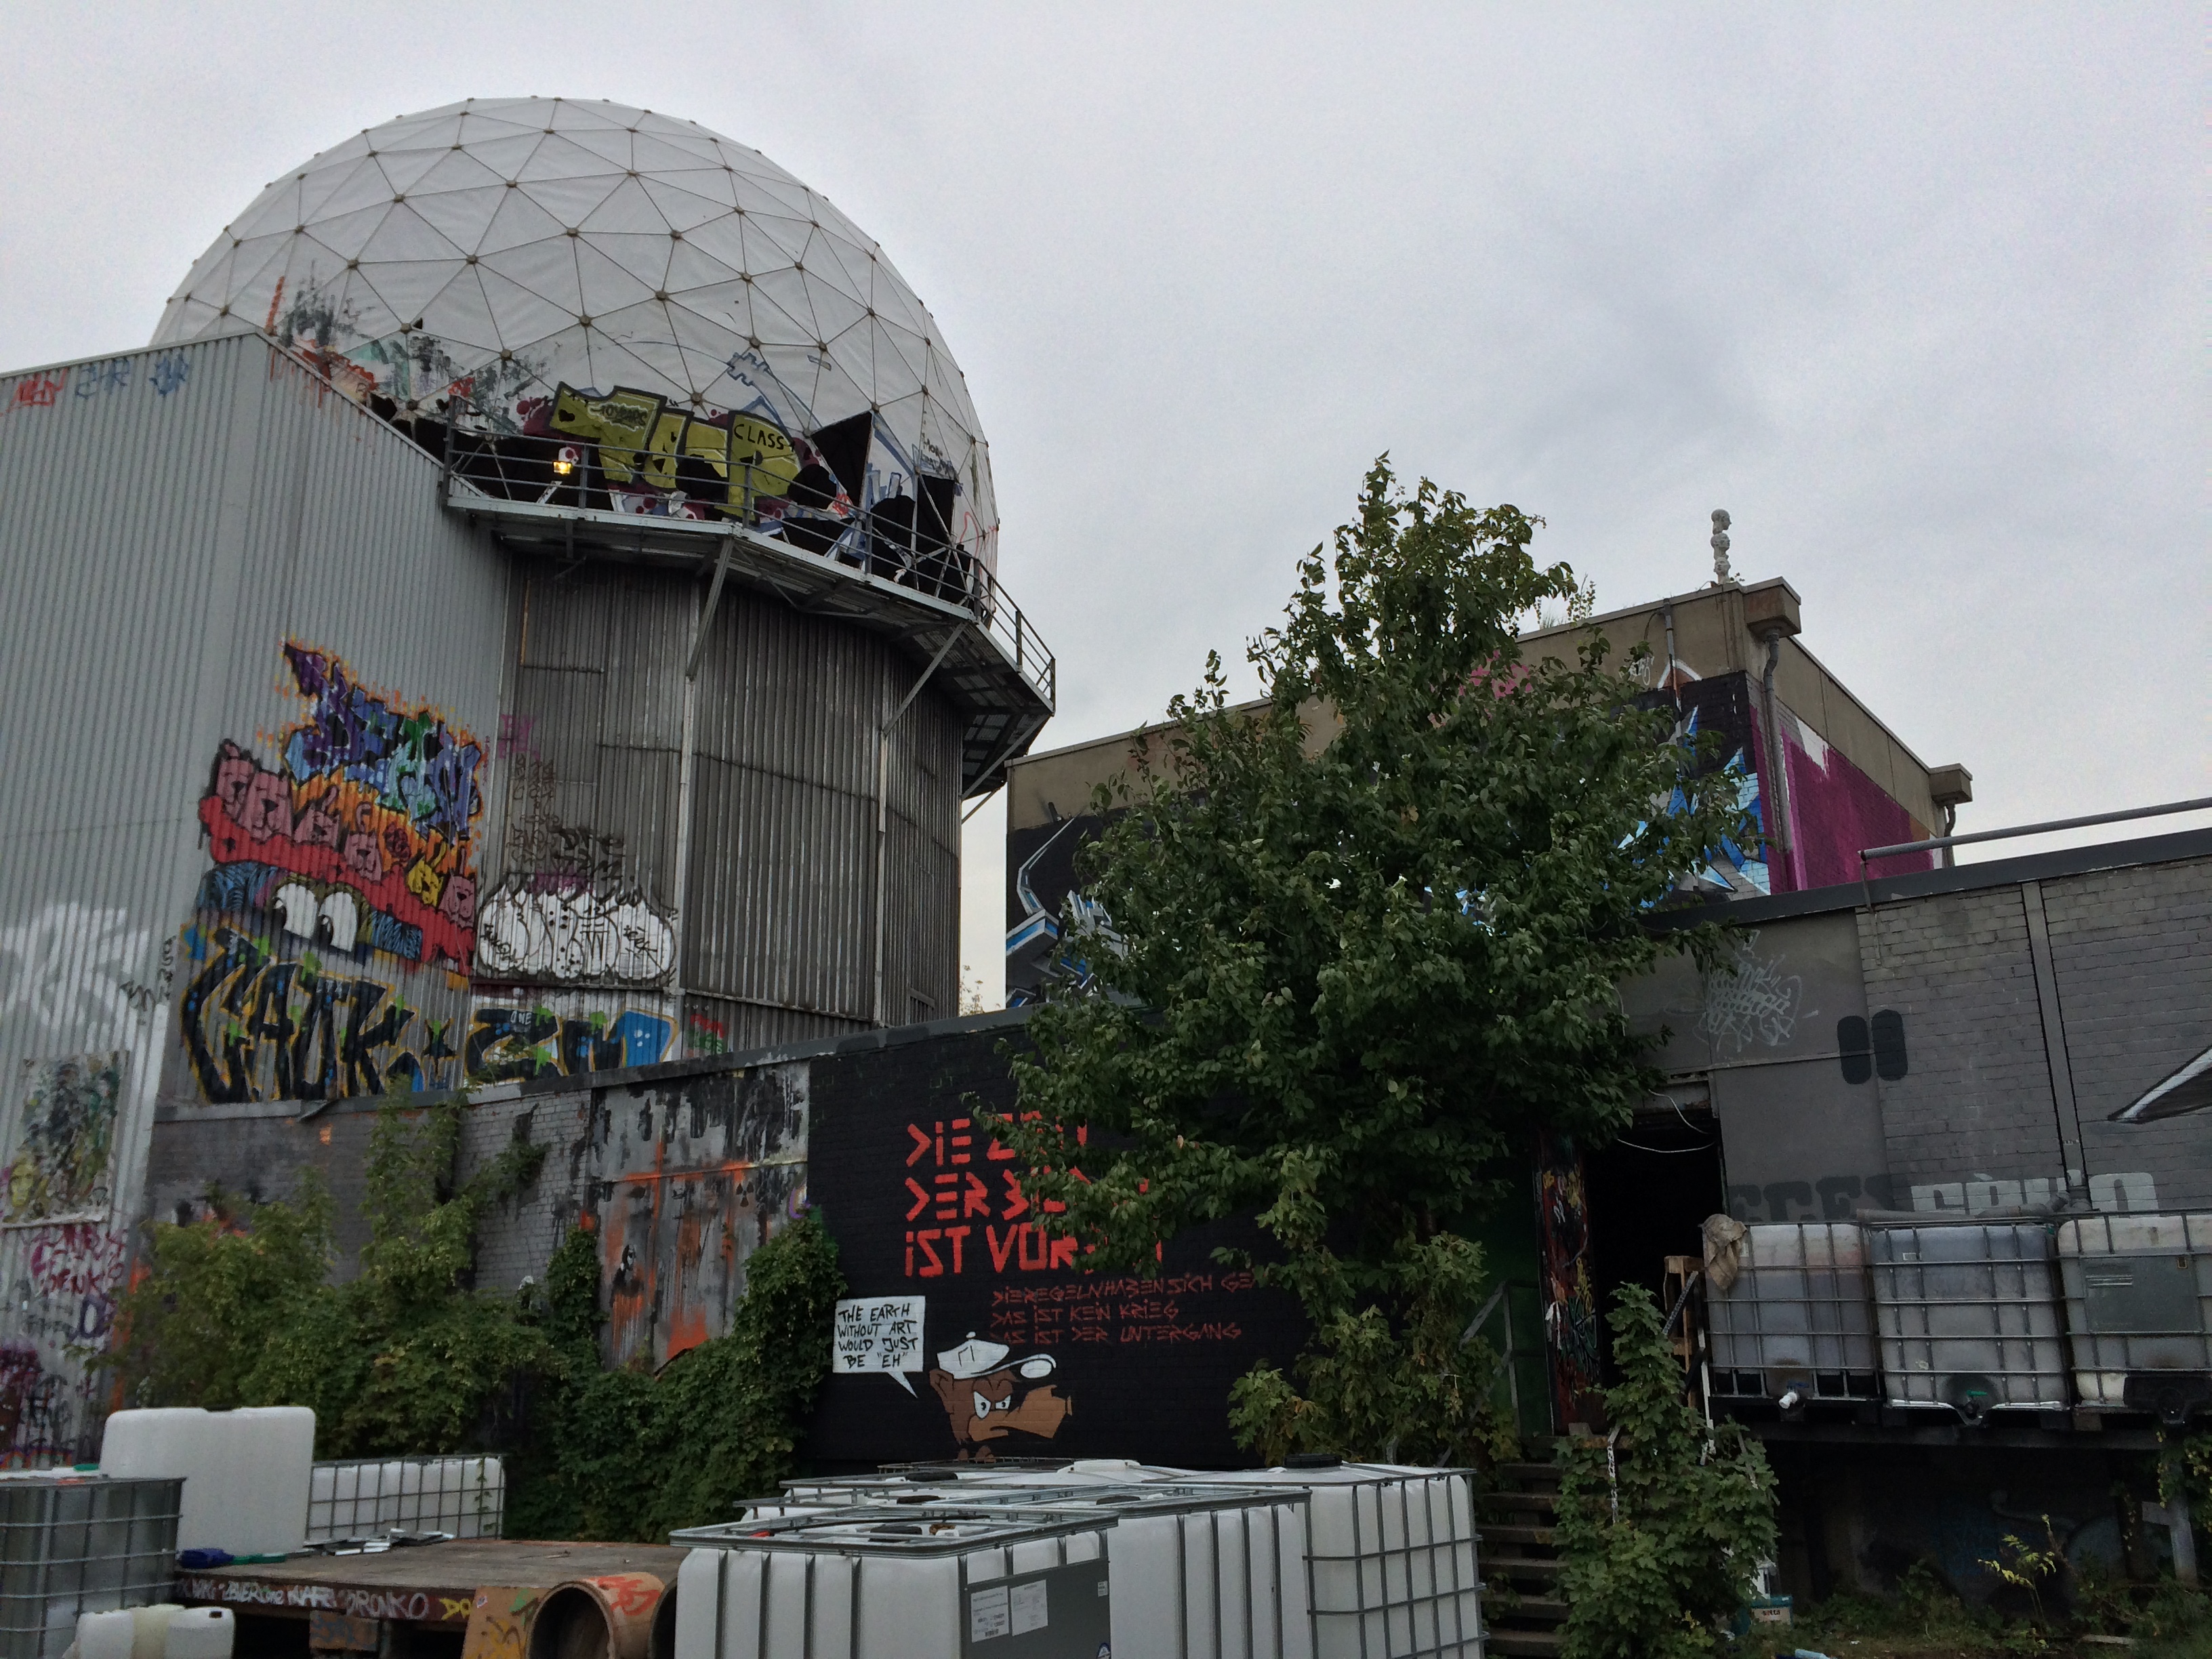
<point x="879" y="1334"/>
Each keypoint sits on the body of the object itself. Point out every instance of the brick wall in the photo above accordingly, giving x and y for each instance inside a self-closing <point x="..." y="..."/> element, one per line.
<point x="1976" y="1100"/>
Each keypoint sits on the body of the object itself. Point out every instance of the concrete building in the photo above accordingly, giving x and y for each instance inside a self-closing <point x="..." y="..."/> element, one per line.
<point x="534" y="611"/>
<point x="1822" y="776"/>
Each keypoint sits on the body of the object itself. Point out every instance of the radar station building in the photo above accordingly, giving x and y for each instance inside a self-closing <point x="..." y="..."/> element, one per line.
<point x="532" y="611"/>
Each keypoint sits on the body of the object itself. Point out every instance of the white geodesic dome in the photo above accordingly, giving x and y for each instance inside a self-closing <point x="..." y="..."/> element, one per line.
<point x="468" y="263"/>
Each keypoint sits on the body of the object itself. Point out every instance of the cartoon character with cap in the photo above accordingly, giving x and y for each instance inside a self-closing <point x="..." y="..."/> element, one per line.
<point x="978" y="1389"/>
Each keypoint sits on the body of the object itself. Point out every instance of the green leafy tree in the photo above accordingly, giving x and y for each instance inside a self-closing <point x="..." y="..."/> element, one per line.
<point x="1365" y="940"/>
<point x="1662" y="1542"/>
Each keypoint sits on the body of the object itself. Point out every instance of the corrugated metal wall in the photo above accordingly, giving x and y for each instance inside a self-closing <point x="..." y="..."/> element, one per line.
<point x="777" y="904"/>
<point x="170" y="521"/>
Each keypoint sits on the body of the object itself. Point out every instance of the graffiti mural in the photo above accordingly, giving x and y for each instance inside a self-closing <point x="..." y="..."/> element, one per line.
<point x="564" y="913"/>
<point x="1570" y="1318"/>
<point x="65" y="1146"/>
<point x="264" y="1019"/>
<point x="515" y="1042"/>
<point x="63" y="1283"/>
<point x="362" y="833"/>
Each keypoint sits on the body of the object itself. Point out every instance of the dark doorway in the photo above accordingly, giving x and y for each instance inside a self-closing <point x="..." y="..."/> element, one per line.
<point x="1649" y="1194"/>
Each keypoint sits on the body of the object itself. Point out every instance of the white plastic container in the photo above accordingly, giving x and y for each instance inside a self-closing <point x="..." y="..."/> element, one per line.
<point x="1199" y="1571"/>
<point x="151" y="1628"/>
<point x="1391" y="1570"/>
<point x="200" y="1633"/>
<point x="105" y="1635"/>
<point x="2139" y="1310"/>
<point x="245" y="1472"/>
<point x="1390" y="1559"/>
<point x="877" y="1585"/>
<point x="1967" y="1312"/>
<point x="1799" y="1318"/>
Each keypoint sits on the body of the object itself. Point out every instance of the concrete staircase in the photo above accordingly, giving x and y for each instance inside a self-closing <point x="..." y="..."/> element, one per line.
<point x="1521" y="1608"/>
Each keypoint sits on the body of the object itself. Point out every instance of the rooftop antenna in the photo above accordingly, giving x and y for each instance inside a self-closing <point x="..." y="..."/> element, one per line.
<point x="1720" y="547"/>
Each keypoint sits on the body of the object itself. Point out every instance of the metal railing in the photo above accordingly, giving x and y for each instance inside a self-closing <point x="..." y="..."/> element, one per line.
<point x="1866" y="855"/>
<point x="677" y="478"/>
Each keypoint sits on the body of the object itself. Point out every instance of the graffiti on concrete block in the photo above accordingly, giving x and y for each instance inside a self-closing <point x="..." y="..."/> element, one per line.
<point x="258" y="1028"/>
<point x="508" y="1044"/>
<point x="363" y="831"/>
<point x="62" y="1164"/>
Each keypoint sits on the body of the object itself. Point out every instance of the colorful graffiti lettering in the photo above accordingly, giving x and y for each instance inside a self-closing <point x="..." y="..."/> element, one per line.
<point x="65" y="1145"/>
<point x="258" y="1029"/>
<point x="372" y="813"/>
<point x="506" y="1043"/>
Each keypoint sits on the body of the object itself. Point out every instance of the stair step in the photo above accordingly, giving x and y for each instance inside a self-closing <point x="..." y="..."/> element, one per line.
<point x="1532" y="1610"/>
<point x="1520" y="1500"/>
<point x="1540" y="1576"/>
<point x="1533" y="1643"/>
<point x="1531" y="1471"/>
<point x="1492" y="1533"/>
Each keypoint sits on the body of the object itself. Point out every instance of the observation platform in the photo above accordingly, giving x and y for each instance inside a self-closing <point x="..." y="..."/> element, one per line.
<point x="890" y="577"/>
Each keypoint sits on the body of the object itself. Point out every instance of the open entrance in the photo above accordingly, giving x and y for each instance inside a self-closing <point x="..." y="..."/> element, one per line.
<point x="1649" y="1194"/>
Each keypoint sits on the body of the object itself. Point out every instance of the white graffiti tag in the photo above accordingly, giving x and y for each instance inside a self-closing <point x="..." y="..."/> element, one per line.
<point x="74" y="967"/>
<point x="1748" y="1002"/>
<point x="574" y="936"/>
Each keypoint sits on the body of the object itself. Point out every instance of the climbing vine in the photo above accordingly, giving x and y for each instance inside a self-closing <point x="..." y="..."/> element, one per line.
<point x="236" y="1309"/>
<point x="408" y="1358"/>
<point x="626" y="1453"/>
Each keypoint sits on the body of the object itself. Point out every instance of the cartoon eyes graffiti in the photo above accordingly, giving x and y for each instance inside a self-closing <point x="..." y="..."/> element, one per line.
<point x="333" y="920"/>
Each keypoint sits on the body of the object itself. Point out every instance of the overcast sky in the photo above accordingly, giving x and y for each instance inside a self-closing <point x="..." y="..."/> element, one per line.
<point x="1915" y="292"/>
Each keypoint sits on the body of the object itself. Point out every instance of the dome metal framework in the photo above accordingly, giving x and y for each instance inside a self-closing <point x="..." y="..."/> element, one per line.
<point x="587" y="271"/>
<point x="630" y="338"/>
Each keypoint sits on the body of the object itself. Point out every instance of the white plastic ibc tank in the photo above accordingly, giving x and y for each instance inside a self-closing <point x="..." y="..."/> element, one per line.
<point x="1798" y="1317"/>
<point x="1390" y="1557"/>
<point x="1967" y="1312"/>
<point x="876" y="1585"/>
<point x="1199" y="1571"/>
<point x="2139" y="1310"/>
